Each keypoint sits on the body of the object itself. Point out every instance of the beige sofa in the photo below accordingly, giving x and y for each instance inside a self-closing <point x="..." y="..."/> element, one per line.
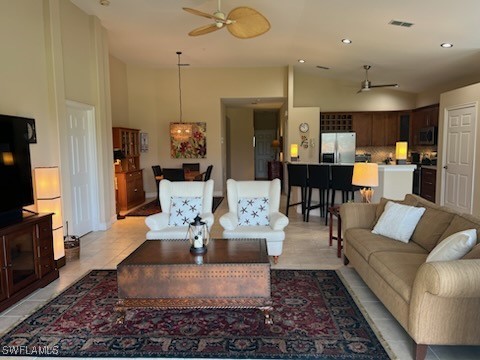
<point x="436" y="302"/>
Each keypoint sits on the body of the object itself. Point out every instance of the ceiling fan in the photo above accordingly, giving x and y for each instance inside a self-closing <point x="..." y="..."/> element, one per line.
<point x="242" y="22"/>
<point x="366" y="84"/>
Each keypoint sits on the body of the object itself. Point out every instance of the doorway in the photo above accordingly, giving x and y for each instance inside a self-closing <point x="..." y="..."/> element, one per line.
<point x="459" y="158"/>
<point x="82" y="164"/>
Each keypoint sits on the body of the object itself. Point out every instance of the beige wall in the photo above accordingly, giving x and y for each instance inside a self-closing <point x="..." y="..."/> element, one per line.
<point x="23" y="76"/>
<point x="241" y="152"/>
<point x="466" y="95"/>
<point x="154" y="103"/>
<point x="51" y="51"/>
<point x="119" y="92"/>
<point x="336" y="95"/>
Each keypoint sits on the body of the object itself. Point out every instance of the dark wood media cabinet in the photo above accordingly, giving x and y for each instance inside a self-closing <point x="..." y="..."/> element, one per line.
<point x="26" y="258"/>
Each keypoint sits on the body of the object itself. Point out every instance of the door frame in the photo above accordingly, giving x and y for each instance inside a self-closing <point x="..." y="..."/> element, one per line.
<point x="446" y="110"/>
<point x="94" y="200"/>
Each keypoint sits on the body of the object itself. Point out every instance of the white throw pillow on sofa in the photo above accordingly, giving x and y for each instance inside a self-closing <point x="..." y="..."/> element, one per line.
<point x="398" y="221"/>
<point x="454" y="247"/>
<point x="184" y="209"/>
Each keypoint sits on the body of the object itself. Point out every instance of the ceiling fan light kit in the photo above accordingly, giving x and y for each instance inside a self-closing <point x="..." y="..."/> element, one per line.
<point x="242" y="22"/>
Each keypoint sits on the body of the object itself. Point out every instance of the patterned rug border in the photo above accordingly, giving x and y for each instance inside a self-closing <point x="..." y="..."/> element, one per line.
<point x="341" y="277"/>
<point x="365" y="314"/>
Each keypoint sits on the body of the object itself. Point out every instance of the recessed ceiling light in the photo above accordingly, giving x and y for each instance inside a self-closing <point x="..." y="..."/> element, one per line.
<point x="446" y="45"/>
<point x="346" y="41"/>
<point x="301" y="61"/>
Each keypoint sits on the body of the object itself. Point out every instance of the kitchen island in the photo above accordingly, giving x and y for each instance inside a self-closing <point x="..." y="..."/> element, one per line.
<point x="394" y="182"/>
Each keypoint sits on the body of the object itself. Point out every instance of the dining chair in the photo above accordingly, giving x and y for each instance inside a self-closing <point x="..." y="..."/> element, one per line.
<point x="191" y="166"/>
<point x="174" y="174"/>
<point x="158" y="176"/>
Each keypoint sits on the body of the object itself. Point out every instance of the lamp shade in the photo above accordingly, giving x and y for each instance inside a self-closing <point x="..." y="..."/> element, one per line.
<point x="294" y="150"/>
<point x="181" y="131"/>
<point x="47" y="182"/>
<point x="365" y="174"/>
<point x="52" y="206"/>
<point x="401" y="149"/>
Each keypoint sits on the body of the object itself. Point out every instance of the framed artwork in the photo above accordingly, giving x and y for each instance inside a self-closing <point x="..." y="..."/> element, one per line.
<point x="188" y="140"/>
<point x="143" y="142"/>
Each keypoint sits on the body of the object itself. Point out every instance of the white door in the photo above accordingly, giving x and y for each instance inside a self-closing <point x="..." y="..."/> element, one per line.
<point x="81" y="155"/>
<point x="264" y="152"/>
<point x="459" y="158"/>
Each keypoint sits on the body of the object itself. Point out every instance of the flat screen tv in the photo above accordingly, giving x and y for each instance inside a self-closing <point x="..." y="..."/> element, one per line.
<point x="16" y="190"/>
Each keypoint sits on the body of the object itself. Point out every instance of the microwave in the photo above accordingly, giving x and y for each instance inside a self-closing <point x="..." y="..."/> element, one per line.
<point x="428" y="136"/>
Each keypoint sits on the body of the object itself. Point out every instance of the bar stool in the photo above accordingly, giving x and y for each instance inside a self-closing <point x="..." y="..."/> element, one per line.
<point x="342" y="181"/>
<point x="297" y="176"/>
<point x="318" y="178"/>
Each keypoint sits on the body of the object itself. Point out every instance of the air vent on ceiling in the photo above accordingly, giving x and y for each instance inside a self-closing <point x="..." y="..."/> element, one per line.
<point x="400" y="23"/>
<point x="323" y="67"/>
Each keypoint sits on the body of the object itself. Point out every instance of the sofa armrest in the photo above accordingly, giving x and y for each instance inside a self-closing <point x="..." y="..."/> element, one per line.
<point x="444" y="303"/>
<point x="460" y="278"/>
<point x="229" y="221"/>
<point x="278" y="221"/>
<point x="357" y="215"/>
<point x="157" y="221"/>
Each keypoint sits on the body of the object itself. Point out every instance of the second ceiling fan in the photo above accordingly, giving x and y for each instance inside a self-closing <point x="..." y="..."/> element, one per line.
<point x="242" y="22"/>
<point x="366" y="85"/>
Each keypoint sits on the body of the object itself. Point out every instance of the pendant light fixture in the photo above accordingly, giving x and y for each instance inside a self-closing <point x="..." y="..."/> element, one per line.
<point x="180" y="131"/>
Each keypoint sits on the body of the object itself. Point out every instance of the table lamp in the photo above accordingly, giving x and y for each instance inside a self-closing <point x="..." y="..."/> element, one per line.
<point x="294" y="152"/>
<point x="366" y="175"/>
<point x="401" y="152"/>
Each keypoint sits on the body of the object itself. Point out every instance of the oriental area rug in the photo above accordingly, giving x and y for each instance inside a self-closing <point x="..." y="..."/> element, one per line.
<point x="153" y="207"/>
<point x="314" y="318"/>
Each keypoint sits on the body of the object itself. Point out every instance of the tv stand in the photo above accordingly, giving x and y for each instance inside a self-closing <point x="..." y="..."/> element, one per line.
<point x="26" y="258"/>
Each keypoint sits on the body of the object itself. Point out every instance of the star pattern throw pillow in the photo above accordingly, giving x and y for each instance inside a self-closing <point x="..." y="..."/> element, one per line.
<point x="253" y="211"/>
<point x="183" y="210"/>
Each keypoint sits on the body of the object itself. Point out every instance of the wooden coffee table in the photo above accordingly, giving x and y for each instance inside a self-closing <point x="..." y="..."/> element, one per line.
<point x="163" y="274"/>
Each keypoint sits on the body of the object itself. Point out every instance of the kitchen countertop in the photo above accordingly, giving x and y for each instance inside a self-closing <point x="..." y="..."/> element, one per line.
<point x="431" y="167"/>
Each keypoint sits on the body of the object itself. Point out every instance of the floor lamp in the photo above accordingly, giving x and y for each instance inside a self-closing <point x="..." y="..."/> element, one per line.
<point x="365" y="175"/>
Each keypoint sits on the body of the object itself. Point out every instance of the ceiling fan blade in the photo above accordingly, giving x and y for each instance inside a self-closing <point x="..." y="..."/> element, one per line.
<point x="204" y="14"/>
<point x="202" y="30"/>
<point x="246" y="23"/>
<point x="385" y="85"/>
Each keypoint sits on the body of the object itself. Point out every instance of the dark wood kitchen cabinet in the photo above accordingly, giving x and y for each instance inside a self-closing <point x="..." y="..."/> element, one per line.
<point x="362" y="126"/>
<point x="428" y="183"/>
<point x="421" y="118"/>
<point x="26" y="258"/>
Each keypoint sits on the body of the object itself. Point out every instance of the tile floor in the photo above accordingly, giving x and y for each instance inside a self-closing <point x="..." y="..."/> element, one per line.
<point x="305" y="247"/>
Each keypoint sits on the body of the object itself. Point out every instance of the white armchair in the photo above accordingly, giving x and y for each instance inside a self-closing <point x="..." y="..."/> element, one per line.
<point x="159" y="224"/>
<point x="270" y="227"/>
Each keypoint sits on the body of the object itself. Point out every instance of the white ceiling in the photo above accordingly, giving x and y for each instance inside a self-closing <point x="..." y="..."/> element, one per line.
<point x="149" y="32"/>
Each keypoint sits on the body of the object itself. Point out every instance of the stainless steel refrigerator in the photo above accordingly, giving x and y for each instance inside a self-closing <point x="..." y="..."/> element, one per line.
<point x="338" y="147"/>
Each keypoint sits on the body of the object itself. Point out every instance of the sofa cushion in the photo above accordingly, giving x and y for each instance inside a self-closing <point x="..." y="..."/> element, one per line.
<point x="398" y="221"/>
<point x="454" y="247"/>
<point x="461" y="222"/>
<point x="474" y="253"/>
<point x="366" y="243"/>
<point x="398" y="269"/>
<point x="383" y="201"/>
<point x="431" y="226"/>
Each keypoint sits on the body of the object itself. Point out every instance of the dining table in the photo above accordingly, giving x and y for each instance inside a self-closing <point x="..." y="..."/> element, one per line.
<point x="189" y="175"/>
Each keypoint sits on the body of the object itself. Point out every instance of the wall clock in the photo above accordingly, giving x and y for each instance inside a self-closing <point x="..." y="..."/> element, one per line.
<point x="303" y="127"/>
<point x="31" y="131"/>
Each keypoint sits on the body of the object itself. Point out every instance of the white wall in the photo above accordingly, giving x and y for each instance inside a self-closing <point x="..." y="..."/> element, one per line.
<point x="467" y="94"/>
